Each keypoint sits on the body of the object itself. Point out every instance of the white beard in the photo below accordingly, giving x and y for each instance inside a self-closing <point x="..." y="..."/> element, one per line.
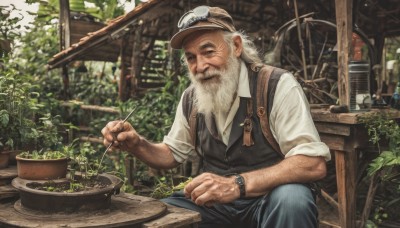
<point x="217" y="96"/>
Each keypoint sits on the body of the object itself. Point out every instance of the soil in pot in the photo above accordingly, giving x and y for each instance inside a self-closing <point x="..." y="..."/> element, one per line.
<point x="78" y="185"/>
<point x="41" y="195"/>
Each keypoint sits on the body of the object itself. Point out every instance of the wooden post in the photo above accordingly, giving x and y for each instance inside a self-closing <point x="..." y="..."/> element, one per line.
<point x="135" y="59"/>
<point x="124" y="71"/>
<point x="344" y="22"/>
<point x="65" y="41"/>
<point x="345" y="176"/>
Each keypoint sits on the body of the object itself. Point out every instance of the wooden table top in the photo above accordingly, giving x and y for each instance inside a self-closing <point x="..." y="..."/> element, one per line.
<point x="323" y="115"/>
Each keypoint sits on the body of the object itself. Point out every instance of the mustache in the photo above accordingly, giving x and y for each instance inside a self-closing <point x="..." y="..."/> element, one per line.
<point x="207" y="75"/>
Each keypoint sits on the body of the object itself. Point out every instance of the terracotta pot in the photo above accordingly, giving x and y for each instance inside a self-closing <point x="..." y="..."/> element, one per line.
<point x="38" y="169"/>
<point x="4" y="159"/>
<point x="13" y="153"/>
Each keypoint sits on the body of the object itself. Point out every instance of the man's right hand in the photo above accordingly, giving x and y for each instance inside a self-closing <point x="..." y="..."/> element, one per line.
<point x="122" y="134"/>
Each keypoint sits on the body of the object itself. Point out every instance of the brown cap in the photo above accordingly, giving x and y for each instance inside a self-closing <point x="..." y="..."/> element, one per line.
<point x="201" y="18"/>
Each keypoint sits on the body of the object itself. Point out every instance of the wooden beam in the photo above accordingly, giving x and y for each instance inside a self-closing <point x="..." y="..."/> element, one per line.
<point x="344" y="24"/>
<point x="91" y="107"/>
<point x="64" y="25"/>
<point x="122" y="95"/>
<point x="345" y="177"/>
<point x="98" y="140"/>
<point x="135" y="58"/>
<point x="65" y="38"/>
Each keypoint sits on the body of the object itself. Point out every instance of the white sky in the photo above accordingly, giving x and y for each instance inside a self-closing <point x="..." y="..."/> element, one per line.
<point x="24" y="7"/>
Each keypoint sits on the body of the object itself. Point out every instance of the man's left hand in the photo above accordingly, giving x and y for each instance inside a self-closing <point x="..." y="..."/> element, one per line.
<point x="207" y="189"/>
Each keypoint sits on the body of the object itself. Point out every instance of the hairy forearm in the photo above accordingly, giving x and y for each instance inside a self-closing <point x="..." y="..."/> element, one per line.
<point x="157" y="156"/>
<point x="295" y="169"/>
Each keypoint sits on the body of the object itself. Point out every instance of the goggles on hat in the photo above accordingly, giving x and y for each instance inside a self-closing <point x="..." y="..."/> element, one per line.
<point x="200" y="13"/>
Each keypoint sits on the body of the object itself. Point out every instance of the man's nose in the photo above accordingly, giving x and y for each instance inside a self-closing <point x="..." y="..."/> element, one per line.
<point x="201" y="65"/>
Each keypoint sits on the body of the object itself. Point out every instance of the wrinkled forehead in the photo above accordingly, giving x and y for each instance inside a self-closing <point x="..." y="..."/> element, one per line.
<point x="200" y="38"/>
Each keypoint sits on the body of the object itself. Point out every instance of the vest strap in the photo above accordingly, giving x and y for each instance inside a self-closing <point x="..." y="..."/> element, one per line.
<point x="262" y="100"/>
<point x="248" y="125"/>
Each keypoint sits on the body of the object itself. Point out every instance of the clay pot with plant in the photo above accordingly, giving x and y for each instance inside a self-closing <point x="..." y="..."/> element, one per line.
<point x="48" y="165"/>
<point x="51" y="161"/>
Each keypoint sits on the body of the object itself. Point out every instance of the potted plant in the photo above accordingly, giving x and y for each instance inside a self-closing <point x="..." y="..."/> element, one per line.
<point x="4" y="159"/>
<point x="51" y="161"/>
<point x="42" y="166"/>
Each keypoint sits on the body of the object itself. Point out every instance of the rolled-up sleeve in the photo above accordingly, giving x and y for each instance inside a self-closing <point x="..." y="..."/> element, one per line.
<point x="178" y="138"/>
<point x="291" y="122"/>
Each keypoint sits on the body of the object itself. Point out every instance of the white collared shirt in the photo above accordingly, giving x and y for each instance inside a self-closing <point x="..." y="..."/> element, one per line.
<point x="290" y="121"/>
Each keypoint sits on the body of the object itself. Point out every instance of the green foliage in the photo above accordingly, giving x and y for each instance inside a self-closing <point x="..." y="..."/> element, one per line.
<point x="101" y="9"/>
<point x="41" y="43"/>
<point x="105" y="9"/>
<point x="156" y="110"/>
<point x="26" y="121"/>
<point x="163" y="189"/>
<point x="93" y="90"/>
<point x="381" y="127"/>
<point x="47" y="129"/>
<point x="9" y="29"/>
<point x="384" y="132"/>
<point x="83" y="158"/>
<point x="18" y="107"/>
<point x="39" y="155"/>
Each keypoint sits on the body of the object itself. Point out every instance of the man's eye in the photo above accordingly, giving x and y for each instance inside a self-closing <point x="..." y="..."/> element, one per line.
<point x="189" y="58"/>
<point x="210" y="52"/>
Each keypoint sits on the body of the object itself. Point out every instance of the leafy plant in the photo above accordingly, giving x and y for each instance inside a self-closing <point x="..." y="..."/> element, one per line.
<point x="101" y="9"/>
<point x="9" y="29"/>
<point x="39" y="155"/>
<point x="381" y="127"/>
<point x="384" y="132"/>
<point x="163" y="189"/>
<point x="47" y="129"/>
<point x="18" y="108"/>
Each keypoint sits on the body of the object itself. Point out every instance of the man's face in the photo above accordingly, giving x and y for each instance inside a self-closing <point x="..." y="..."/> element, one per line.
<point x="206" y="51"/>
<point x="214" y="70"/>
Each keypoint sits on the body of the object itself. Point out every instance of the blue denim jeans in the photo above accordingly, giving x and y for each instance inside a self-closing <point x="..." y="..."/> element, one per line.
<point x="290" y="205"/>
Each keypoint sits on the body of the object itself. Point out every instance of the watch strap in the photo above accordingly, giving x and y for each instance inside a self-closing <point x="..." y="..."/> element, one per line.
<point x="239" y="180"/>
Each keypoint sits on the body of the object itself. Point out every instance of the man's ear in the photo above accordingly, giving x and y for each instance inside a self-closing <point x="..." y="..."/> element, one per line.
<point x="237" y="41"/>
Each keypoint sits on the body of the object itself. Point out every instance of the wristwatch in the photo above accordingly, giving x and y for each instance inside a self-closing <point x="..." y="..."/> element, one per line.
<point x="239" y="180"/>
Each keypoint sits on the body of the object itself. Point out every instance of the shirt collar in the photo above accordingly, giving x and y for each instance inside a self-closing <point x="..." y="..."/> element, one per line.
<point x="243" y="87"/>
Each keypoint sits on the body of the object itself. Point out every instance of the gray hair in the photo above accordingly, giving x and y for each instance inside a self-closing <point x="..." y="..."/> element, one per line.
<point x="249" y="53"/>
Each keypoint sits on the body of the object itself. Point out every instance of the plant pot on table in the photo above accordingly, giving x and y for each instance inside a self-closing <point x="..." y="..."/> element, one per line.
<point x="4" y="159"/>
<point x="41" y="169"/>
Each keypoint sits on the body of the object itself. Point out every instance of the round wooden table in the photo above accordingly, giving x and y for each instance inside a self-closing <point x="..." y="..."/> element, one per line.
<point x="126" y="210"/>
